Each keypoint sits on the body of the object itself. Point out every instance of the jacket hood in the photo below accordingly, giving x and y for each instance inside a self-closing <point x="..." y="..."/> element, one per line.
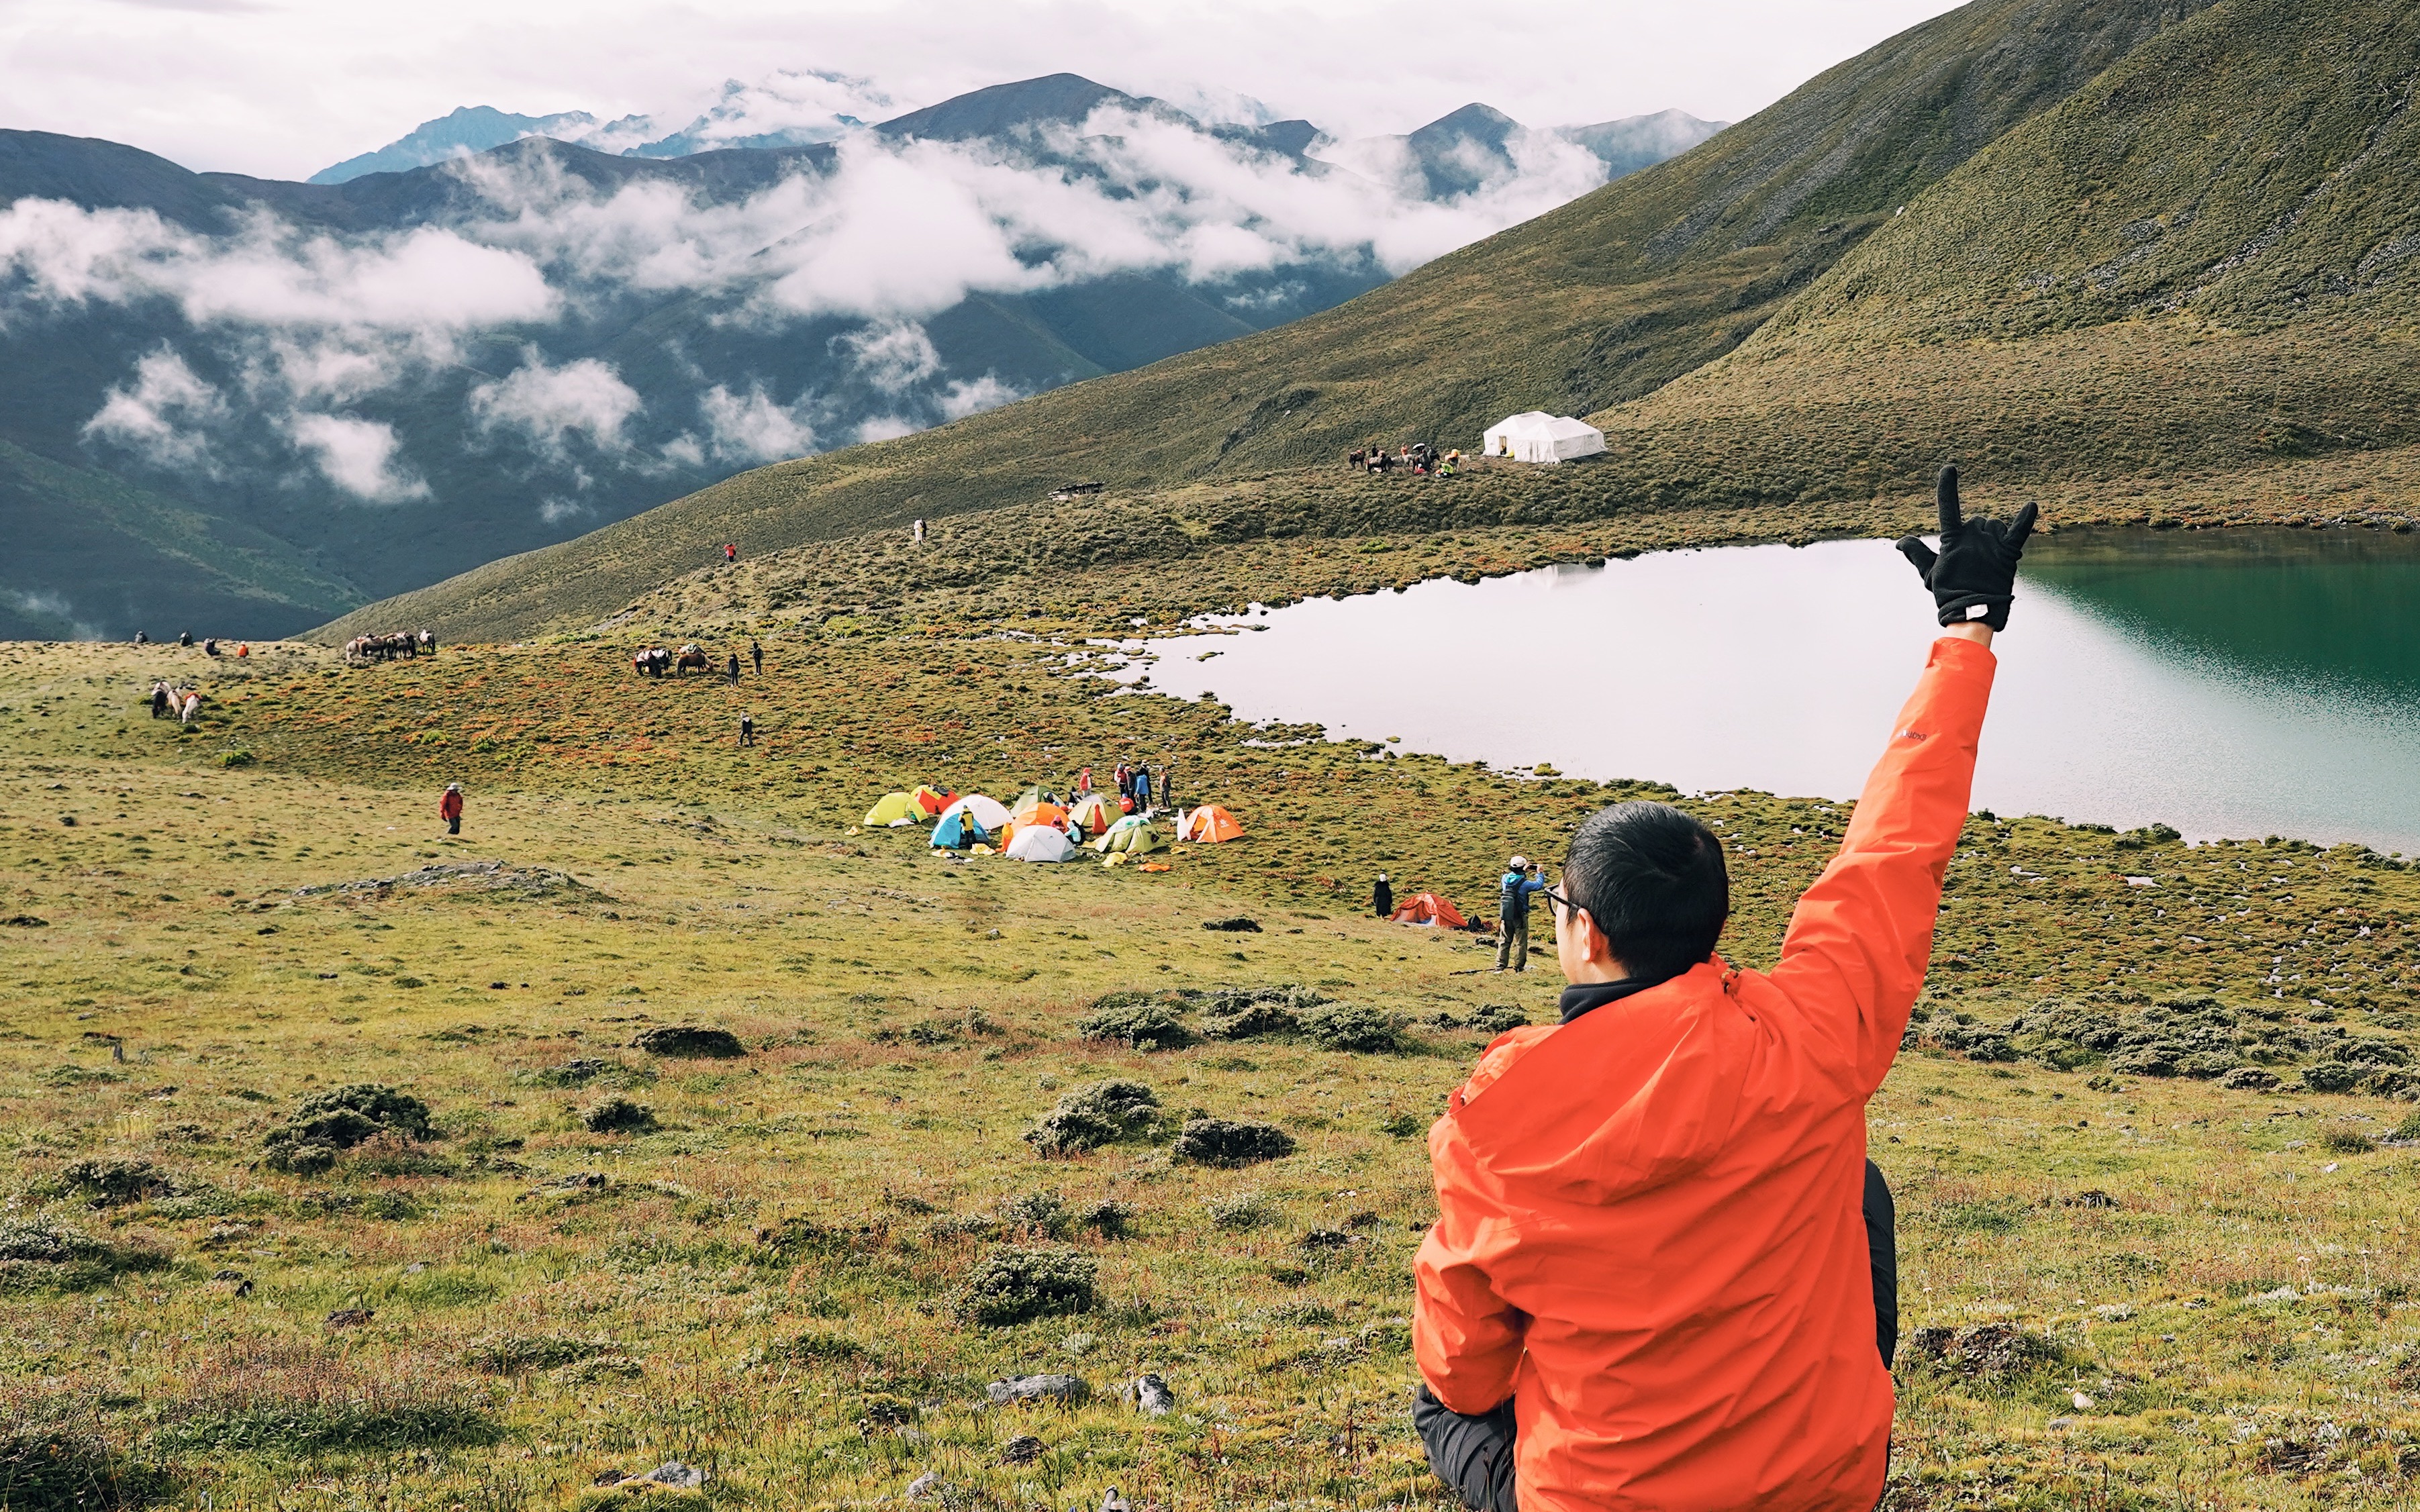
<point x="1633" y="1095"/>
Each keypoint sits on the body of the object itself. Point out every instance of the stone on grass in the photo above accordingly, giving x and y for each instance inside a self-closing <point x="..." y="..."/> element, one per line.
<point x="925" y="1487"/>
<point x="1067" y="1391"/>
<point x="1150" y="1394"/>
<point x="1022" y="1450"/>
<point x="688" y="1042"/>
<point x="1097" y="1114"/>
<point x="1231" y="1142"/>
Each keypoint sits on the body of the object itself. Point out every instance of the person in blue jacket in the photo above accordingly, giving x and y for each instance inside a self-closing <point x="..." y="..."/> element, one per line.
<point x="1520" y="879"/>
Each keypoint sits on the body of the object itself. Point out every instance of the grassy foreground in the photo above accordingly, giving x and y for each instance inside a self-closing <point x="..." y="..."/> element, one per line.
<point x="2132" y="1278"/>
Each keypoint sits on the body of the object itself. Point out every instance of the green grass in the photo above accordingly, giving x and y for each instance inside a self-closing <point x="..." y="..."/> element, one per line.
<point x="786" y="1280"/>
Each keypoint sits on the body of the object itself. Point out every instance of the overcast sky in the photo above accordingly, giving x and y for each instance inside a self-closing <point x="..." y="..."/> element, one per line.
<point x="284" y="87"/>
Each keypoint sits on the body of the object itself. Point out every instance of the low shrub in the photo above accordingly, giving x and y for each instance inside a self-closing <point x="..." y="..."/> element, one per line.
<point x="513" y="1354"/>
<point x="54" y="1457"/>
<point x="43" y="1252"/>
<point x="1353" y="1026"/>
<point x="1137" y="1025"/>
<point x="1240" y="1211"/>
<point x="113" y="1181"/>
<point x="1013" y="1286"/>
<point x="689" y="1042"/>
<point x="305" y="1399"/>
<point x="1231" y="1142"/>
<point x="353" y="1114"/>
<point x="1097" y="1114"/>
<point x="1501" y="1019"/>
<point x="619" y="1114"/>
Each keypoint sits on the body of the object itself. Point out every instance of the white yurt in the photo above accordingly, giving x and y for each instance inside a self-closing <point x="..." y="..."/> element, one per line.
<point x="1535" y="436"/>
<point x="1040" y="843"/>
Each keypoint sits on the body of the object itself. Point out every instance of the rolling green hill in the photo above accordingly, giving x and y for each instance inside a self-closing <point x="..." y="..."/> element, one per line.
<point x="1598" y="303"/>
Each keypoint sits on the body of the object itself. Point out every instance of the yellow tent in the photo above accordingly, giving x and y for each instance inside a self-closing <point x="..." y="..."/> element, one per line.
<point x="894" y="809"/>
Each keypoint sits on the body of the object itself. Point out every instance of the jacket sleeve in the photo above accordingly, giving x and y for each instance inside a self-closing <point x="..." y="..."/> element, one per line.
<point x="1467" y="1338"/>
<point x="1855" y="957"/>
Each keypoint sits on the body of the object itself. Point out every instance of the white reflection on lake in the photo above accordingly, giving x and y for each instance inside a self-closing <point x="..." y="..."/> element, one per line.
<point x="1781" y="669"/>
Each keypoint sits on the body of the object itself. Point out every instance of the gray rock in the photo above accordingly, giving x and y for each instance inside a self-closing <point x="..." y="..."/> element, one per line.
<point x="672" y="1472"/>
<point x="1149" y="1394"/>
<point x="925" y="1487"/>
<point x="1067" y="1389"/>
<point x="1115" y="1502"/>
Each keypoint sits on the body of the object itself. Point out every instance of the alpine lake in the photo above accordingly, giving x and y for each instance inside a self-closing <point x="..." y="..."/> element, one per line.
<point x="2227" y="683"/>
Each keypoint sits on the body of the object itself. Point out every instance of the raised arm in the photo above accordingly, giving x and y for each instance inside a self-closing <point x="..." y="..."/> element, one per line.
<point x="1855" y="957"/>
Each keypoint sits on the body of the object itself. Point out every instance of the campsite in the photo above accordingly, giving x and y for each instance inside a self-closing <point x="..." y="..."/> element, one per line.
<point x="511" y="1047"/>
<point x="752" y="1272"/>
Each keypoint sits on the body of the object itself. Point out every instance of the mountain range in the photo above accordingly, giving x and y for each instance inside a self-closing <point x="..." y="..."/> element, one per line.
<point x="242" y="406"/>
<point x="2147" y="250"/>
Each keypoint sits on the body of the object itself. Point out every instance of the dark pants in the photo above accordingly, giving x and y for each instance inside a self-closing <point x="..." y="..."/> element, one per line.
<point x="454" y="824"/>
<point x="1474" y="1454"/>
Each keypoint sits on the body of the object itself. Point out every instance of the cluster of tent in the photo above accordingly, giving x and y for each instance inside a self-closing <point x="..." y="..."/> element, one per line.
<point x="1037" y="828"/>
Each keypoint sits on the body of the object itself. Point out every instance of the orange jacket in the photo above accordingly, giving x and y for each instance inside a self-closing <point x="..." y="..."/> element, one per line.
<point x="1650" y="1231"/>
<point x="450" y="805"/>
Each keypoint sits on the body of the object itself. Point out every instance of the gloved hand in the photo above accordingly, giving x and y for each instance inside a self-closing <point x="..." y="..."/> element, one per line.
<point x="1974" y="576"/>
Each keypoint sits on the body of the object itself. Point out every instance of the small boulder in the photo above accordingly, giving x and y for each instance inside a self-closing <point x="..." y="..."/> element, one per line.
<point x="688" y="1042"/>
<point x="1027" y="1390"/>
<point x="1150" y="1394"/>
<point x="679" y="1477"/>
<point x="925" y="1487"/>
<point x="1022" y="1450"/>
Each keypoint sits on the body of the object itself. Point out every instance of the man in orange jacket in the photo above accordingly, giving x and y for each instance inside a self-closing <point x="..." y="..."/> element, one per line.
<point x="1663" y="1272"/>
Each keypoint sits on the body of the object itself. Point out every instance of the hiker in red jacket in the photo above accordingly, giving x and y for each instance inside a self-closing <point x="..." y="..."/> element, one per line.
<point x="449" y="807"/>
<point x="1664" y="1274"/>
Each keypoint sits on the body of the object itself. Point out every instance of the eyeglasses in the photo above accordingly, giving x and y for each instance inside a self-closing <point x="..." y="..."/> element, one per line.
<point x="1559" y="900"/>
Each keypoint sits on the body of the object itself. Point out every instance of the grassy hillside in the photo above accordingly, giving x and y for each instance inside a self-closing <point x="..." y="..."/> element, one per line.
<point x="1598" y="302"/>
<point x="2207" y="261"/>
<point x="2120" y="1274"/>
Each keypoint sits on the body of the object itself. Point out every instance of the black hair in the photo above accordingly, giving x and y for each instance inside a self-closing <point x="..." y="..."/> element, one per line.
<point x="1653" y="878"/>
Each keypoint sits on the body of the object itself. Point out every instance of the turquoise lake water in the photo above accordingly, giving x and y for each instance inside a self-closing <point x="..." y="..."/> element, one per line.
<point x="2233" y="684"/>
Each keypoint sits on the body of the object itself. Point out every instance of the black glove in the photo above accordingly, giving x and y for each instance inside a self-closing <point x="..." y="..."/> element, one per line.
<point x="1977" y="566"/>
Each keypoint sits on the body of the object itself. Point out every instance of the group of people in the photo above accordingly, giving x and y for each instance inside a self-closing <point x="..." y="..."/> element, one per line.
<point x="182" y="704"/>
<point x="210" y="645"/>
<point x="1144" y="787"/>
<point x="1418" y="458"/>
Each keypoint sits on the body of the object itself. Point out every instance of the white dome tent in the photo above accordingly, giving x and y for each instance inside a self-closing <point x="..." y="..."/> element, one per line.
<point x="1535" y="436"/>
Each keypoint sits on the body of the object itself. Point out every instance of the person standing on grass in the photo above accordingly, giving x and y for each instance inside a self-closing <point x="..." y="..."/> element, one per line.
<point x="733" y="671"/>
<point x="1663" y="1273"/>
<point x="1520" y="879"/>
<point x="1382" y="897"/>
<point x="449" y="807"/>
<point x="748" y="730"/>
<point x="1143" y="789"/>
<point x="1084" y="782"/>
<point x="756" y="654"/>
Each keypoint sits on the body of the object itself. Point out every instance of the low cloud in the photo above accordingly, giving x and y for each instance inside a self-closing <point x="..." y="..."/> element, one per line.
<point x="968" y="397"/>
<point x="549" y="405"/>
<point x="162" y="416"/>
<point x="358" y="457"/>
<point x="751" y="427"/>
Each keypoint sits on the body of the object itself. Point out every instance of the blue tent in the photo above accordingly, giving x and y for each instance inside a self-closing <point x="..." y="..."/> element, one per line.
<point x="957" y="830"/>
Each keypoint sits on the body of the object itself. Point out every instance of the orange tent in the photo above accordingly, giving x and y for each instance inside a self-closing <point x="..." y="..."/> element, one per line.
<point x="1428" y="908"/>
<point x="932" y="802"/>
<point x="1038" y="813"/>
<point x="1210" y="825"/>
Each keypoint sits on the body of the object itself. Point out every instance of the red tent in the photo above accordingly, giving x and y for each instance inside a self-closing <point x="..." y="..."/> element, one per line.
<point x="1429" y="909"/>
